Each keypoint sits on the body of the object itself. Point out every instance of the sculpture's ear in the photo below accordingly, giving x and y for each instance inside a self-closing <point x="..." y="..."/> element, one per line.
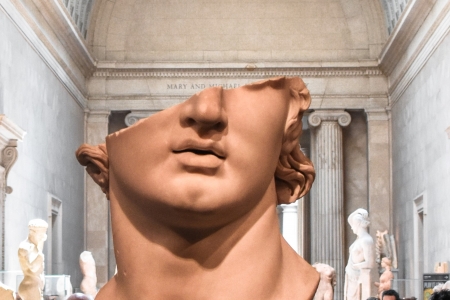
<point x="95" y="159"/>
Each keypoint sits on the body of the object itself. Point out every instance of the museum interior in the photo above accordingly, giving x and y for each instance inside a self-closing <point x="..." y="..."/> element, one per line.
<point x="377" y="129"/>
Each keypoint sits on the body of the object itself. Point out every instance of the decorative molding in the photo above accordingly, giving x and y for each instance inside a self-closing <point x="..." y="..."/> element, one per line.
<point x="377" y="115"/>
<point x="9" y="157"/>
<point x="9" y="131"/>
<point x="392" y="12"/>
<point x="66" y="30"/>
<point x="411" y="20"/>
<point x="33" y="33"/>
<point x="435" y="34"/>
<point x="238" y="72"/>
<point x="135" y="116"/>
<point x="80" y="11"/>
<point x="317" y="117"/>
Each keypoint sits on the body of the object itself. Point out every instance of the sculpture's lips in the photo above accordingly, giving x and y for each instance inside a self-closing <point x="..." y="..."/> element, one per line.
<point x="199" y="155"/>
<point x="200" y="148"/>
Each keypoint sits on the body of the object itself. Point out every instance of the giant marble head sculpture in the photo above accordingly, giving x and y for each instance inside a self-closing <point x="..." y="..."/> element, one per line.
<point x="206" y="172"/>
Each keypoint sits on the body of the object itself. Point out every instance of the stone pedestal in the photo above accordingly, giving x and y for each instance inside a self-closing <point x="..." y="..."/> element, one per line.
<point x="97" y="206"/>
<point x="327" y="195"/>
<point x="365" y="278"/>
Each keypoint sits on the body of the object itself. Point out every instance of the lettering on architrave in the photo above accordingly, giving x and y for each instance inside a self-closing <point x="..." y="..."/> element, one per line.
<point x="197" y="86"/>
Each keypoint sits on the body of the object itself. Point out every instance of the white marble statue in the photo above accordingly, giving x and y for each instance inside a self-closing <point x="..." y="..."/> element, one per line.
<point x="31" y="261"/>
<point x="361" y="258"/>
<point x="89" y="282"/>
<point x="386" y="277"/>
<point x="325" y="290"/>
<point x="6" y="293"/>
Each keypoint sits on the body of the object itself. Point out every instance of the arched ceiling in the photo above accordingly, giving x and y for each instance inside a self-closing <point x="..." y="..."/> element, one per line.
<point x="235" y="31"/>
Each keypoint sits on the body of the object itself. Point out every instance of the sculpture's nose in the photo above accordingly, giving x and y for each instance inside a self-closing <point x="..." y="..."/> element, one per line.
<point x="205" y="110"/>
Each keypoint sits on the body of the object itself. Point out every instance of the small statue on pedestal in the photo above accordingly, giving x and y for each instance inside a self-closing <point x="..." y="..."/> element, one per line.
<point x="361" y="260"/>
<point x="31" y="261"/>
<point x="325" y="291"/>
<point x="386" y="277"/>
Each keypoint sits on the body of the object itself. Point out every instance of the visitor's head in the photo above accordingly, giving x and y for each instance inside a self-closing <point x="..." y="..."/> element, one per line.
<point x="216" y="154"/>
<point x="390" y="295"/>
<point x="443" y="294"/>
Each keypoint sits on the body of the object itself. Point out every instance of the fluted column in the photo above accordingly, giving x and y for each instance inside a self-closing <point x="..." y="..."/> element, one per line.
<point x="97" y="205"/>
<point x="327" y="195"/>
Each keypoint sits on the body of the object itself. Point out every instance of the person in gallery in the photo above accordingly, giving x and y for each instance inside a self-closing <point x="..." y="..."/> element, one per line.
<point x="390" y="295"/>
<point x="31" y="259"/>
<point x="361" y="254"/>
<point x="443" y="294"/>
<point x="193" y="191"/>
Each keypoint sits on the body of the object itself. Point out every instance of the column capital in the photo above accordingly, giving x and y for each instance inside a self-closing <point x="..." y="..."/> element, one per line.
<point x="136" y="115"/>
<point x="98" y="116"/>
<point x="342" y="117"/>
<point x="377" y="114"/>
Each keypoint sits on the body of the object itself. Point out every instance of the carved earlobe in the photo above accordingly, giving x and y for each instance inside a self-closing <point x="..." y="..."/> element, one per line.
<point x="295" y="172"/>
<point x="95" y="159"/>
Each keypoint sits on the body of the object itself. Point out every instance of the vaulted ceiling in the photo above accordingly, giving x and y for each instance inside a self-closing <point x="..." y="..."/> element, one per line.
<point x="233" y="31"/>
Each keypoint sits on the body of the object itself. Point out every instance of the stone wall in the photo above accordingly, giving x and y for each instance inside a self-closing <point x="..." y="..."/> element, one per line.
<point x="35" y="100"/>
<point x="421" y="166"/>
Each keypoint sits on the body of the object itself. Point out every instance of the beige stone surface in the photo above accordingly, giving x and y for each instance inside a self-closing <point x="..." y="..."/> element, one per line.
<point x="309" y="30"/>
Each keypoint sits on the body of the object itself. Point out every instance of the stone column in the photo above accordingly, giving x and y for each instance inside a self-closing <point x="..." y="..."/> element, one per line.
<point x="97" y="205"/>
<point x="327" y="195"/>
<point x="379" y="174"/>
<point x="289" y="224"/>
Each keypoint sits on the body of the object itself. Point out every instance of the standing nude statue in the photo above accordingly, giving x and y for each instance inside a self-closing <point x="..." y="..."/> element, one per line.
<point x="386" y="277"/>
<point x="89" y="282"/>
<point x="325" y="291"/>
<point x="193" y="192"/>
<point x="31" y="261"/>
<point x="361" y="259"/>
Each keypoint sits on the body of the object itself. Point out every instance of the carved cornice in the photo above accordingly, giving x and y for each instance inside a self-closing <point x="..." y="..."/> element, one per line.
<point x="407" y="26"/>
<point x="434" y="35"/>
<point x="237" y="72"/>
<point x="343" y="118"/>
<point x="62" y="56"/>
<point x="9" y="131"/>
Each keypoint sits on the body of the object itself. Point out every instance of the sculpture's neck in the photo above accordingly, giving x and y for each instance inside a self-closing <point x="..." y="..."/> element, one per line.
<point x="245" y="258"/>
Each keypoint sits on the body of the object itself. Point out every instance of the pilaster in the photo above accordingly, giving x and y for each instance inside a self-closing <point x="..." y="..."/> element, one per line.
<point x="327" y="195"/>
<point x="10" y="133"/>
<point x="379" y="175"/>
<point x="97" y="206"/>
